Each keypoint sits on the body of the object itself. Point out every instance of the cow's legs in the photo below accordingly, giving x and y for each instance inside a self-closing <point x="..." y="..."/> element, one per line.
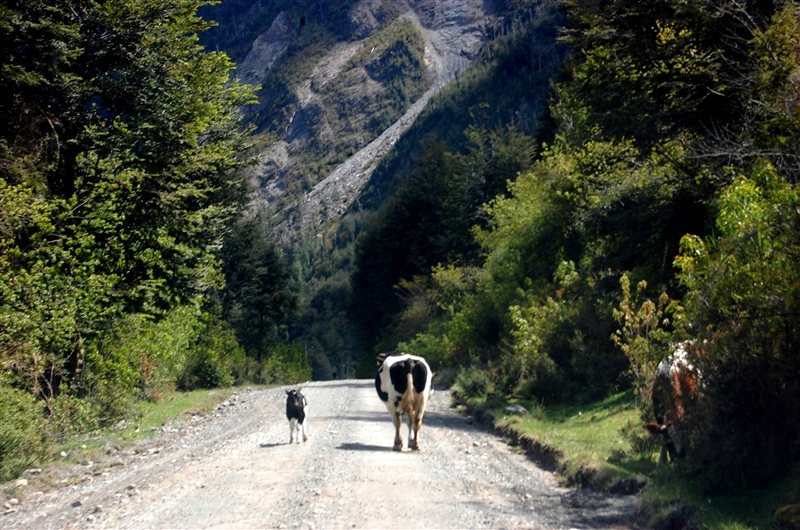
<point x="415" y="425"/>
<point x="662" y="458"/>
<point x="412" y="430"/>
<point x="292" y="427"/>
<point x="303" y="429"/>
<point x="397" y="418"/>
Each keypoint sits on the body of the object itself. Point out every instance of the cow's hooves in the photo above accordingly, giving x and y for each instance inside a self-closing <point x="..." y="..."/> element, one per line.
<point x="397" y="448"/>
<point x="413" y="447"/>
<point x="305" y="438"/>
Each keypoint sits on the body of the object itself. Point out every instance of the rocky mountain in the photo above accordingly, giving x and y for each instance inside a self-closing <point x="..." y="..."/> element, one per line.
<point x="360" y="95"/>
<point x="349" y="89"/>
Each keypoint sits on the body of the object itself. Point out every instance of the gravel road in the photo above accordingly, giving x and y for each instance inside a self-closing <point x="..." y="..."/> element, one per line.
<point x="235" y="469"/>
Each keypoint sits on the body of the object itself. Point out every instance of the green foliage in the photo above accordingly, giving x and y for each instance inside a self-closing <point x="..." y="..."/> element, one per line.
<point x="528" y="366"/>
<point x="742" y="295"/>
<point x="71" y="416"/>
<point x="642" y="444"/>
<point x="646" y="333"/>
<point x="428" y="221"/>
<point x="473" y="383"/>
<point x="148" y="354"/>
<point x="286" y="365"/>
<point x="116" y="180"/>
<point x="257" y="299"/>
<point x="773" y="96"/>
<point x="214" y="357"/>
<point x="22" y="441"/>
<point x="663" y="62"/>
<point x="186" y="349"/>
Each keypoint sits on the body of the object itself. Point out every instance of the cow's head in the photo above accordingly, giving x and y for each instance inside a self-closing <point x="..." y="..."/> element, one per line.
<point x="381" y="357"/>
<point x="294" y="396"/>
<point x="672" y="440"/>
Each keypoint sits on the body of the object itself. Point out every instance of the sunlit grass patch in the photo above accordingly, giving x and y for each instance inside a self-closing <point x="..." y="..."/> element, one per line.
<point x="588" y="437"/>
<point x="173" y="408"/>
<point x="596" y="437"/>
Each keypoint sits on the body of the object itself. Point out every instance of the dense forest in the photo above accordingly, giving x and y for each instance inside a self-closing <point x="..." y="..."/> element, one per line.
<point x="120" y="185"/>
<point x="607" y="179"/>
<point x="664" y="208"/>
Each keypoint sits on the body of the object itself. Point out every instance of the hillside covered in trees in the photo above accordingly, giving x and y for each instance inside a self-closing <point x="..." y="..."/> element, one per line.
<point x="663" y="208"/>
<point x="605" y="180"/>
<point x="120" y="183"/>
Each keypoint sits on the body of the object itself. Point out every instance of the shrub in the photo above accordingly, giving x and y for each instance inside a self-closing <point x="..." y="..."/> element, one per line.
<point x="155" y="350"/>
<point x="212" y="357"/>
<point x="642" y="443"/>
<point x="71" y="416"/>
<point x="22" y="442"/>
<point x="473" y="382"/>
<point x="287" y="364"/>
<point x="743" y="288"/>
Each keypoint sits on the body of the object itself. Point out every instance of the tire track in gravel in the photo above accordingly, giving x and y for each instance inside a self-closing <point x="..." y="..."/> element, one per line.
<point x="235" y="469"/>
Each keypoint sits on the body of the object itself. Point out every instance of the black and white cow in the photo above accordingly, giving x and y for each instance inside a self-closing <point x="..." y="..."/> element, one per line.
<point x="296" y="406"/>
<point x="404" y="384"/>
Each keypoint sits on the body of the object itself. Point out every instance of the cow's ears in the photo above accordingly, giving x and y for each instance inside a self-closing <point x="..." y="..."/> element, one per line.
<point x="654" y="428"/>
<point x="288" y="392"/>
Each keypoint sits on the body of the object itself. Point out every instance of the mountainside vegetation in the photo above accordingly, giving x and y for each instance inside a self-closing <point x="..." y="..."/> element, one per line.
<point x="478" y="132"/>
<point x="663" y="209"/>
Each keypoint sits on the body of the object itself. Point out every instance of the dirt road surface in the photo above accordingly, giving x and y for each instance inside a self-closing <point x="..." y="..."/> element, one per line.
<point x="235" y="469"/>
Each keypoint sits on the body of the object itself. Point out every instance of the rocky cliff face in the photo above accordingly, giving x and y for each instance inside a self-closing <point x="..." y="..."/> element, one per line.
<point x="360" y="96"/>
<point x="266" y="51"/>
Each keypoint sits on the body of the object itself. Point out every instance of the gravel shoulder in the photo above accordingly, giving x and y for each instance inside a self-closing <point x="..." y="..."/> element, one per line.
<point x="236" y="469"/>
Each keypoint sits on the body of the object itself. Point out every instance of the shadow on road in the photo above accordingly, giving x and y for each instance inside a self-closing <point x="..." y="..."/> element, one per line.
<point x="267" y="446"/>
<point x="339" y="383"/>
<point x="355" y="446"/>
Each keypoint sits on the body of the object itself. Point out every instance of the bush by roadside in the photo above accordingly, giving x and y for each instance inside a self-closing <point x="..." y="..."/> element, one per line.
<point x="22" y="440"/>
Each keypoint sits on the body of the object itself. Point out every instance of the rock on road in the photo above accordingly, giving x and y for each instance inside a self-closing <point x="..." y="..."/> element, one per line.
<point x="235" y="469"/>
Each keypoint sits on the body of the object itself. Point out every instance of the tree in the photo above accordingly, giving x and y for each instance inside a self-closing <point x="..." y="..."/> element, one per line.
<point x="743" y="293"/>
<point x="257" y="298"/>
<point x="116" y="173"/>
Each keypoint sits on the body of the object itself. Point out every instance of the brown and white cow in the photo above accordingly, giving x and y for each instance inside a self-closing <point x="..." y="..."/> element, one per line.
<point x="675" y="384"/>
<point x="404" y="384"/>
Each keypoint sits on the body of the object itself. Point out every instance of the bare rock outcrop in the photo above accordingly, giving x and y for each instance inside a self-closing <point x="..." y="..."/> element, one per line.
<point x="266" y="50"/>
<point x="452" y="30"/>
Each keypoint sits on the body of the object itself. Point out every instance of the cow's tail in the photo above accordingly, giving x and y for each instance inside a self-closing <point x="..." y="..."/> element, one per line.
<point x="409" y="398"/>
<point x="411" y="390"/>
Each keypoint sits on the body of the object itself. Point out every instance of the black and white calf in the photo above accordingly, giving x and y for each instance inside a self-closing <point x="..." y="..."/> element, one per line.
<point x="404" y="385"/>
<point x="296" y="406"/>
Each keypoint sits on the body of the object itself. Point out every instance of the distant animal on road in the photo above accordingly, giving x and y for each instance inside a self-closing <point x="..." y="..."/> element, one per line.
<point x="404" y="384"/>
<point x="675" y="384"/>
<point x="296" y="406"/>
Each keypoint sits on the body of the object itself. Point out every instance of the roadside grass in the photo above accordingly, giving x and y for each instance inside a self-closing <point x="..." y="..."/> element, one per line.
<point x="590" y="445"/>
<point x="585" y="439"/>
<point x="173" y="408"/>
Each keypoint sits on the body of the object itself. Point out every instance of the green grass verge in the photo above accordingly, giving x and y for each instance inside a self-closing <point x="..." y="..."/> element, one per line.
<point x="590" y="446"/>
<point x="174" y="408"/>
